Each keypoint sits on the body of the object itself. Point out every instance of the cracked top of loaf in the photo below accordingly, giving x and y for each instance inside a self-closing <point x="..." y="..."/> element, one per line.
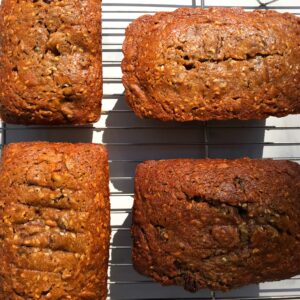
<point x="50" y="61"/>
<point x="54" y="221"/>
<point x="215" y="223"/>
<point x="217" y="63"/>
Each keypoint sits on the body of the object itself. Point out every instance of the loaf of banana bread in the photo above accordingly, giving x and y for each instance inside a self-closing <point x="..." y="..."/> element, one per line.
<point x="50" y="61"/>
<point x="216" y="224"/>
<point x="218" y="63"/>
<point x="54" y="221"/>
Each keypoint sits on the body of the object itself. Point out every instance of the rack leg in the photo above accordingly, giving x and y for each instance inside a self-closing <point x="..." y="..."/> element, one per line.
<point x="213" y="295"/>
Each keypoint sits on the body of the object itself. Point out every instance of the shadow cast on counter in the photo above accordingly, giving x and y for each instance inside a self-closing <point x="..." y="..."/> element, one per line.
<point x="236" y="139"/>
<point x="131" y="140"/>
<point x="66" y="134"/>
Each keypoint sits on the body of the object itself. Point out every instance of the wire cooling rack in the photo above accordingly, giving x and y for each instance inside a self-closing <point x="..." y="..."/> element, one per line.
<point x="130" y="141"/>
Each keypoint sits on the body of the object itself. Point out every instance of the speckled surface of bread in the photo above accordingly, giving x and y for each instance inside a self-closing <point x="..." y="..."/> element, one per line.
<point x="218" y="63"/>
<point x="50" y="61"/>
<point x="54" y="221"/>
<point x="217" y="224"/>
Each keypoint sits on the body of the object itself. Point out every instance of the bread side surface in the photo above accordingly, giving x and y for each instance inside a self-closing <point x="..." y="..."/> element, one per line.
<point x="54" y="221"/>
<point x="216" y="224"/>
<point x="50" y="61"/>
<point x="219" y="63"/>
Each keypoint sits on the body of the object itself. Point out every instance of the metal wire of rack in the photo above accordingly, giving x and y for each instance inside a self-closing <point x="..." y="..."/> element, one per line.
<point x="130" y="141"/>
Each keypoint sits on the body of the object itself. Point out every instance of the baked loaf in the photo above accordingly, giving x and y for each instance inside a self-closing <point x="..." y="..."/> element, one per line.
<point x="216" y="224"/>
<point x="50" y="61"/>
<point x="54" y="221"/>
<point x="219" y="63"/>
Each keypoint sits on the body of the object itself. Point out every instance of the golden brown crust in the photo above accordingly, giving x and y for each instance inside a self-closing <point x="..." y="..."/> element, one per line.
<point x="216" y="224"/>
<point x="54" y="221"/>
<point x="50" y="61"/>
<point x="220" y="63"/>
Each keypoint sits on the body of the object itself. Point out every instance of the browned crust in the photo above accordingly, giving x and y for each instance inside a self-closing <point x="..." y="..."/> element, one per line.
<point x="219" y="63"/>
<point x="216" y="224"/>
<point x="50" y="61"/>
<point x="54" y="221"/>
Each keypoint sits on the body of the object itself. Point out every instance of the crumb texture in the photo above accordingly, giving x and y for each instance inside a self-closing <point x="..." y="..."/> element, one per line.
<point x="50" y="61"/>
<point x="217" y="224"/>
<point x="219" y="63"/>
<point x="54" y="221"/>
